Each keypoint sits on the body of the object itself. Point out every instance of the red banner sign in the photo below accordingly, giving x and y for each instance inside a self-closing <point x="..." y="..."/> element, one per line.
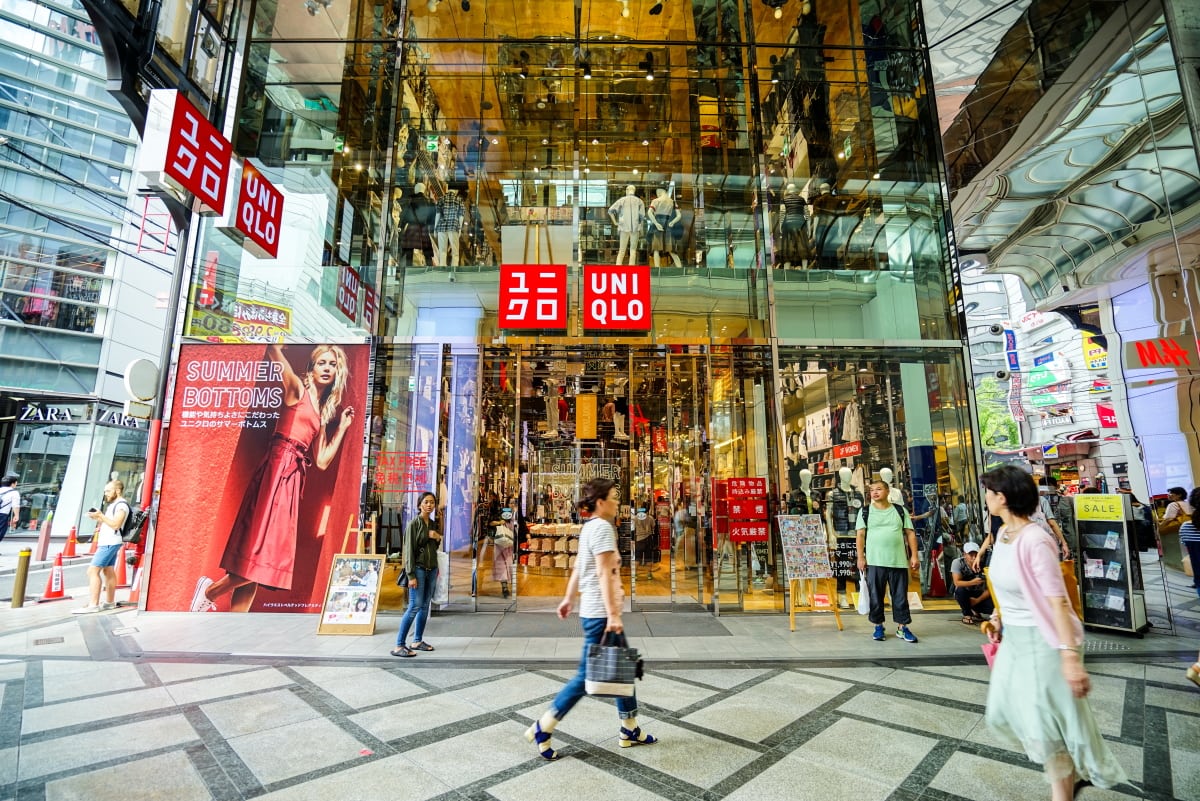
<point x="746" y="488"/>
<point x="370" y="308"/>
<point x="747" y="509"/>
<point x="182" y="151"/>
<point x="616" y="298"/>
<point x="658" y="437"/>
<point x="847" y="450"/>
<point x="259" y="213"/>
<point x="533" y="296"/>
<point x="347" y="293"/>
<point x="1107" y="415"/>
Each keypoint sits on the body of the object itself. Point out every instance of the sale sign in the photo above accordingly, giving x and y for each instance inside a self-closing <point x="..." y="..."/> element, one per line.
<point x="616" y="298"/>
<point x="347" y="293"/>
<point x="533" y="296"/>
<point x="183" y="152"/>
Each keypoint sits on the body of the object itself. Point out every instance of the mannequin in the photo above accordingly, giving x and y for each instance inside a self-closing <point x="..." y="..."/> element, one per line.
<point x="551" y="399"/>
<point x="895" y="495"/>
<point x="663" y="218"/>
<point x="841" y="513"/>
<point x="628" y="215"/>
<point x="416" y="218"/>
<point x="793" y="246"/>
<point x="620" y="415"/>
<point x="447" y="226"/>
<point x="824" y="215"/>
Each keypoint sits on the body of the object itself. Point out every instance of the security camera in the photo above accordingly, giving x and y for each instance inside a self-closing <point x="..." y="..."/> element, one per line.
<point x="1001" y="375"/>
<point x="995" y="329"/>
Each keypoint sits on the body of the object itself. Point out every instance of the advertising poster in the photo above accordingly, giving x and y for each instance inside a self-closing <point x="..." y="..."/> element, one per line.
<point x="261" y="475"/>
<point x="352" y="595"/>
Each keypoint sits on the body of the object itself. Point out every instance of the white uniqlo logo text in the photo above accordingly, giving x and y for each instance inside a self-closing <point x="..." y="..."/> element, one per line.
<point x="547" y="308"/>
<point x="518" y="307"/>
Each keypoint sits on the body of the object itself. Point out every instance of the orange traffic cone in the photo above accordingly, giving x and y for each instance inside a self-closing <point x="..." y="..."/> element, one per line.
<point x="95" y="541"/>
<point x="122" y="573"/>
<point x="54" y="583"/>
<point x="135" y="590"/>
<point x="69" y="551"/>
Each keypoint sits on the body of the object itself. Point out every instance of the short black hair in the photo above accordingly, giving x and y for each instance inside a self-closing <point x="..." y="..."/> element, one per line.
<point x="1017" y="487"/>
<point x="1180" y="491"/>
<point x="595" y="490"/>
<point x="9" y="480"/>
<point x="1049" y="481"/>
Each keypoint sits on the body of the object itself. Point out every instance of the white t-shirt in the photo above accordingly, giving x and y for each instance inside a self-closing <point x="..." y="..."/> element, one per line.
<point x="1004" y="572"/>
<point x="10" y="501"/>
<point x="597" y="536"/>
<point x="108" y="534"/>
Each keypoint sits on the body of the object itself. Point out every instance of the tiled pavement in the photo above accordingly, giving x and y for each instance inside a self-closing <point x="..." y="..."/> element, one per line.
<point x="91" y="713"/>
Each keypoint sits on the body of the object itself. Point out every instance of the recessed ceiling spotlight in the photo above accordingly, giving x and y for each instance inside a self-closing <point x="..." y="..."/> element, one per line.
<point x="645" y="141"/>
<point x="625" y="8"/>
<point x="656" y="9"/>
<point x="545" y="141"/>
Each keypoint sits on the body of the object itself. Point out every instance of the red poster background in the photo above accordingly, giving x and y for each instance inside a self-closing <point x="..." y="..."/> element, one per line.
<point x="206" y="471"/>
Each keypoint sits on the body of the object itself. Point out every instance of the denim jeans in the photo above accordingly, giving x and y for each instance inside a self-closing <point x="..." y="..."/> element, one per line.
<point x="568" y="696"/>
<point x="418" y="604"/>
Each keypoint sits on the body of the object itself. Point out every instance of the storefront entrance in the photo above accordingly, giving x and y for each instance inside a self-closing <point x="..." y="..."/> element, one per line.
<point x="521" y="429"/>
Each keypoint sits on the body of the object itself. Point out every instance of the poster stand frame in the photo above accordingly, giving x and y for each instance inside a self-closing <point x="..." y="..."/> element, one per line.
<point x="362" y="535"/>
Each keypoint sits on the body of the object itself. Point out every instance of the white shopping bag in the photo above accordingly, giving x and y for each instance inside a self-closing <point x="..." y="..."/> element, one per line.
<point x="864" y="597"/>
<point x="441" y="591"/>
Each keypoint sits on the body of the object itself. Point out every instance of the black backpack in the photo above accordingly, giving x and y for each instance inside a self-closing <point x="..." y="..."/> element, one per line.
<point x="866" y="513"/>
<point x="135" y="521"/>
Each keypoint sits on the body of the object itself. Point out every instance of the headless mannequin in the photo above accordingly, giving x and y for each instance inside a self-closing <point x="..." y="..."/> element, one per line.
<point x="806" y="490"/>
<point x="793" y="229"/>
<point x="824" y="211"/>
<point x="895" y="495"/>
<point x="551" y="414"/>
<point x="447" y="227"/>
<point x="628" y="215"/>
<point x="417" y="219"/>
<point x="664" y="215"/>
<point x="841" y="512"/>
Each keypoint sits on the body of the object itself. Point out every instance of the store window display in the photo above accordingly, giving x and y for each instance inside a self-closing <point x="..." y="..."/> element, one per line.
<point x="628" y="215"/>
<point x="448" y="223"/>
<point x="664" y="222"/>
<point x="793" y="229"/>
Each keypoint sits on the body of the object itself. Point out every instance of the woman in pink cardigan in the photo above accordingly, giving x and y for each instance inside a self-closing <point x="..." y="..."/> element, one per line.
<point x="1037" y="697"/>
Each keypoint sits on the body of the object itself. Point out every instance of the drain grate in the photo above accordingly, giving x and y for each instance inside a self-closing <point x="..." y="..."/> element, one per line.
<point x="49" y="641"/>
<point x="1105" y="645"/>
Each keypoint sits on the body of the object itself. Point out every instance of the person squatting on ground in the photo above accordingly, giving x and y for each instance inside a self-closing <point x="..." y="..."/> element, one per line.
<point x="108" y="548"/>
<point x="420" y="548"/>
<point x="1037" y="696"/>
<point x="597" y="579"/>
<point x="884" y="534"/>
<point x="970" y="587"/>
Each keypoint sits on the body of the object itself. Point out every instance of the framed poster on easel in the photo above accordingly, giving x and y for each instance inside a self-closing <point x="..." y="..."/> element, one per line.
<point x="352" y="592"/>
<point x="806" y="562"/>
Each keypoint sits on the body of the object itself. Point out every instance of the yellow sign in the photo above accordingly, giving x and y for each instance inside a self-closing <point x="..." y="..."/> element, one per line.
<point x="1094" y="356"/>
<point x="1099" y="507"/>
<point x="585" y="416"/>
<point x="251" y="321"/>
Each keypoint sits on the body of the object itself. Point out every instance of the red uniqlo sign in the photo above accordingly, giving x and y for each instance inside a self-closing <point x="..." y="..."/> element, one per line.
<point x="533" y="296"/>
<point x="182" y="151"/>
<point x="747" y="509"/>
<point x="347" y="293"/>
<point x="616" y="298"/>
<point x="370" y="308"/>
<point x="259" y="213"/>
<point x="746" y="488"/>
<point x="847" y="450"/>
<point x="748" y="532"/>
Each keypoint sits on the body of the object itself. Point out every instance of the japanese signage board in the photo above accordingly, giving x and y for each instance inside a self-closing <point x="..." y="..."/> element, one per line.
<point x="1045" y="358"/>
<point x="1095" y="357"/>
<point x="183" y="152"/>
<point x="616" y="298"/>
<point x="847" y="450"/>
<point x="1178" y="351"/>
<point x="749" y="532"/>
<point x="402" y="472"/>
<point x="745" y="509"/>
<point x="246" y="321"/>
<point x="746" y="488"/>
<point x="1107" y="415"/>
<point x="349" y="285"/>
<point x="805" y="549"/>
<point x="1010" y="339"/>
<point x="256" y="215"/>
<point x="1014" y="397"/>
<point x="533" y="296"/>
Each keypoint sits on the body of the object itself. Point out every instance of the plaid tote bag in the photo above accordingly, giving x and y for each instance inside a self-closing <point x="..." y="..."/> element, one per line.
<point x="612" y="667"/>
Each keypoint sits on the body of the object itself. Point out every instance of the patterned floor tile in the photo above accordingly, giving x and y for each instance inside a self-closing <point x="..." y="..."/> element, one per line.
<point x="688" y="755"/>
<point x="492" y="749"/>
<point x="973" y="776"/>
<point x="359" y="687"/>
<point x="766" y="707"/>
<point x="75" y="679"/>
<point x="781" y="782"/>
<point x="404" y="719"/>
<point x="725" y="678"/>
<point x="152" y="779"/>
<point x="102" y="745"/>
<point x="506" y="692"/>
<point x="848" y="745"/>
<point x="94" y="710"/>
<point x="573" y="778"/>
<point x="194" y="692"/>
<point x="297" y="748"/>
<point x="393" y="778"/>
<point x="1185" y="774"/>
<point x="183" y="671"/>
<point x="912" y="714"/>
<point x="237" y="717"/>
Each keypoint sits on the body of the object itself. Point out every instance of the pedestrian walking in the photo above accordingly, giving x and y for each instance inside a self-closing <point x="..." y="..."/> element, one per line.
<point x="597" y="579"/>
<point x="887" y="550"/>
<point x="1189" y="536"/>
<point x="10" y="504"/>
<point x="102" y="571"/>
<point x="1037" y="697"/>
<point x="420" y="547"/>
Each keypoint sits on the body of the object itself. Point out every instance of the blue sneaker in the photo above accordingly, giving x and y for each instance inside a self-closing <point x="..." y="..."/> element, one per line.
<point x="903" y="633"/>
<point x="879" y="636"/>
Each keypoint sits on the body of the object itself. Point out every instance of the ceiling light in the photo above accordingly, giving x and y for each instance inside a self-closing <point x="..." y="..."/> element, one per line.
<point x="545" y="141"/>
<point x="587" y="71"/>
<point x="779" y="13"/>
<point x="495" y="141"/>
<point x="595" y="141"/>
<point x="645" y="141"/>
<point x="625" y="8"/>
<point x="656" y="9"/>
<point x="535" y="169"/>
<point x="432" y="5"/>
<point x="841" y="154"/>
<point x="875" y="176"/>
<point x="523" y="64"/>
<point x="635" y="171"/>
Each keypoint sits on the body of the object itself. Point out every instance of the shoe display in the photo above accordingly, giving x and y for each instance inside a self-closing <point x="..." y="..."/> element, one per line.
<point x="903" y="633"/>
<point x="879" y="634"/>
<point x="85" y="610"/>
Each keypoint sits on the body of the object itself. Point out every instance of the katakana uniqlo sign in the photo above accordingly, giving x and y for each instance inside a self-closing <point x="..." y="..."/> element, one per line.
<point x="183" y="152"/>
<point x="533" y="296"/>
<point x="616" y="297"/>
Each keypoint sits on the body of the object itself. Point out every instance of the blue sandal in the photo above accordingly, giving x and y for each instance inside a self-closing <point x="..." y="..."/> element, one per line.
<point x="630" y="738"/>
<point x="534" y="734"/>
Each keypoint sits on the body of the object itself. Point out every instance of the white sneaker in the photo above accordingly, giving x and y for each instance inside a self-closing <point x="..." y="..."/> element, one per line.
<point x="104" y="607"/>
<point x="200" y="602"/>
<point x="85" y="610"/>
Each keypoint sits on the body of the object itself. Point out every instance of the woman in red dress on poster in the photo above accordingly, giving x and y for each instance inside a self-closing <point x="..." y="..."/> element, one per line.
<point x="262" y="544"/>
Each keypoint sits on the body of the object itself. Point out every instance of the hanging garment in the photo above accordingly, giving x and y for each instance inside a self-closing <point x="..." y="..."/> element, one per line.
<point x="851" y="423"/>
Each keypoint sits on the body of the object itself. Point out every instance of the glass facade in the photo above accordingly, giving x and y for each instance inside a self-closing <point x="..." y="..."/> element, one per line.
<point x="776" y="166"/>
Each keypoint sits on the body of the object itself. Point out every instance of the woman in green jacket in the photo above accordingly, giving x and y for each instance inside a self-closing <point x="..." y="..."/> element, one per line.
<point x="421" y="543"/>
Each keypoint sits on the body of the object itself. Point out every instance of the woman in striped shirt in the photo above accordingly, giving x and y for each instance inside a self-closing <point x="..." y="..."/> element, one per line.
<point x="1189" y="537"/>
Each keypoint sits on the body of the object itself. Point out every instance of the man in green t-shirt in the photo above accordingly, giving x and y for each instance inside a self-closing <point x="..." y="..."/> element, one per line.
<point x="882" y="529"/>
